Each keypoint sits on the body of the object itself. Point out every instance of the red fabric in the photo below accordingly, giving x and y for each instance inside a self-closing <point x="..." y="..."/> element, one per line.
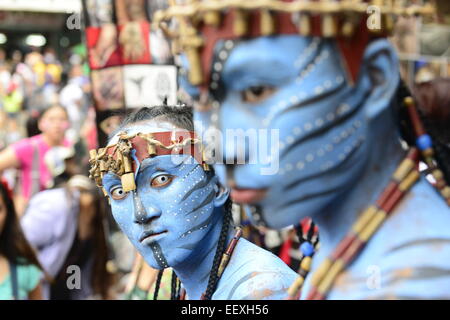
<point x="284" y="252"/>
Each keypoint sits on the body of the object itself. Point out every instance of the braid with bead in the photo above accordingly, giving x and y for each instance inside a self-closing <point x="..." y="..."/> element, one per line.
<point x="429" y="113"/>
<point x="221" y="247"/>
<point x="442" y="153"/>
<point x="431" y="99"/>
<point x="158" y="284"/>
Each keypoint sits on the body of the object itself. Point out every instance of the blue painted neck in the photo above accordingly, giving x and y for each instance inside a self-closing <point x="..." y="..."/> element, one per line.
<point x="194" y="271"/>
<point x="384" y="155"/>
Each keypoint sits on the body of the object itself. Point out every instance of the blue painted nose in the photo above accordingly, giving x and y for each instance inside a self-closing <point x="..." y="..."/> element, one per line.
<point x="143" y="215"/>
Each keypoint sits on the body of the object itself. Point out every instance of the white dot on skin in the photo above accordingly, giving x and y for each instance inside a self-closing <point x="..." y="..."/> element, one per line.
<point x="308" y="126"/>
<point x="294" y="99"/>
<point x="318" y="90"/>
<point x="319" y="122"/>
<point x="229" y="44"/>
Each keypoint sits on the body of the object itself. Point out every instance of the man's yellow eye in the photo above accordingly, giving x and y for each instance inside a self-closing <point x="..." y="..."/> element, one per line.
<point x="161" y="181"/>
<point x="257" y="94"/>
<point x="118" y="193"/>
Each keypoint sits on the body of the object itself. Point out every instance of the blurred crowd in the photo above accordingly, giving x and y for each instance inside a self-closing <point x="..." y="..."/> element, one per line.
<point x="53" y="221"/>
<point x="57" y="237"/>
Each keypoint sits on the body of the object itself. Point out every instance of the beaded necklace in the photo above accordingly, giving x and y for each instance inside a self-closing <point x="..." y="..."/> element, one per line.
<point x="367" y="224"/>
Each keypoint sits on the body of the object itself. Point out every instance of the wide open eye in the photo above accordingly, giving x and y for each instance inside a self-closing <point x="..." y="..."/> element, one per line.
<point x="161" y="181"/>
<point x="256" y="94"/>
<point x="117" y="193"/>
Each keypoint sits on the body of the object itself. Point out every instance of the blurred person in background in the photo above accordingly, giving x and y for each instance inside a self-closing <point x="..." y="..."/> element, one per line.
<point x="74" y="97"/>
<point x="66" y="224"/>
<point x="5" y="78"/>
<point x="27" y="155"/>
<point x="2" y="55"/>
<point x="12" y="101"/>
<point x="20" y="271"/>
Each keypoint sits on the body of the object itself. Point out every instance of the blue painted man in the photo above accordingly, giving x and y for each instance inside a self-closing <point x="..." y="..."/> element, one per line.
<point x="173" y="208"/>
<point x="313" y="71"/>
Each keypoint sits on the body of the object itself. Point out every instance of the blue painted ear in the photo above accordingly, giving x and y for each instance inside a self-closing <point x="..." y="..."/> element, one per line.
<point x="222" y="193"/>
<point x="379" y="76"/>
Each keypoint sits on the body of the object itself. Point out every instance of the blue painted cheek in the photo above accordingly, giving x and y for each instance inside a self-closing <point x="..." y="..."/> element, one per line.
<point x="186" y="207"/>
<point x="123" y="213"/>
<point x="318" y="117"/>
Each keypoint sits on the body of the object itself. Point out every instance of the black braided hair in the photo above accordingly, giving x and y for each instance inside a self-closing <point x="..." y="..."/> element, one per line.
<point x="221" y="247"/>
<point x="178" y="290"/>
<point x="173" y="290"/>
<point x="158" y="284"/>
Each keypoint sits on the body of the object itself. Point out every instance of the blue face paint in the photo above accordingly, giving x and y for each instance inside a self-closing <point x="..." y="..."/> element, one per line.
<point x="339" y="144"/>
<point x="173" y="204"/>
<point x="318" y="115"/>
<point x="174" y="219"/>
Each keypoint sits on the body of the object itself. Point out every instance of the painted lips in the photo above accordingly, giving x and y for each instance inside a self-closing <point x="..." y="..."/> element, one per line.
<point x="248" y="196"/>
<point x="150" y="236"/>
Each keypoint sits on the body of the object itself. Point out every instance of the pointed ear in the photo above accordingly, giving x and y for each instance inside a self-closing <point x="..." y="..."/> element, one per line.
<point x="379" y="76"/>
<point x="222" y="193"/>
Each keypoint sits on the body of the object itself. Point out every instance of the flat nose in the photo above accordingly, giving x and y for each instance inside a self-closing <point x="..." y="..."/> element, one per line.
<point x="143" y="215"/>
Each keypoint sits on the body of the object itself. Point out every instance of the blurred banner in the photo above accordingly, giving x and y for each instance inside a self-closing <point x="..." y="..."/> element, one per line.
<point x="131" y="65"/>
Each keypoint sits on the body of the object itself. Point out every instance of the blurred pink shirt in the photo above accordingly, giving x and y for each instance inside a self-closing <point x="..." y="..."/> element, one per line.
<point x="24" y="152"/>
